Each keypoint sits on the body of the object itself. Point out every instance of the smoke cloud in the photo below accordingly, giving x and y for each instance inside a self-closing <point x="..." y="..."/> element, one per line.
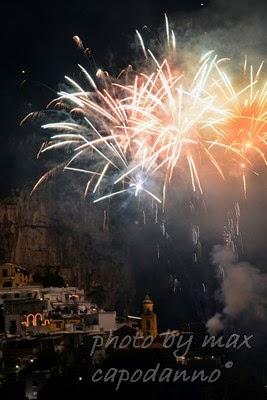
<point x="243" y="290"/>
<point x="215" y="324"/>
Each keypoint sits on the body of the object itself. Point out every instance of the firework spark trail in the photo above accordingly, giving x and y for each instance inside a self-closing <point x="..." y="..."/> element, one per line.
<point x="196" y="243"/>
<point x="232" y="234"/>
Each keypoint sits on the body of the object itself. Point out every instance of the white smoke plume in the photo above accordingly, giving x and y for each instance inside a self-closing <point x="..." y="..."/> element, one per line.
<point x="215" y="324"/>
<point x="243" y="290"/>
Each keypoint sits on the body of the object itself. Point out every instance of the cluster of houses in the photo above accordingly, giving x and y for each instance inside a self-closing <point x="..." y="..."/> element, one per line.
<point x="28" y="309"/>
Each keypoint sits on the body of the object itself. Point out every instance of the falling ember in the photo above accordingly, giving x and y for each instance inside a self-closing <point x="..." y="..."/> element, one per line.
<point x="105" y="224"/>
<point x="144" y="217"/>
<point x="244" y="181"/>
<point x="78" y="42"/>
<point x="158" y="253"/>
<point x="232" y="234"/>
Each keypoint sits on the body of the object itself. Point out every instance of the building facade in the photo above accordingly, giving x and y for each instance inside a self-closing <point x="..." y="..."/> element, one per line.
<point x="14" y="276"/>
<point x="27" y="309"/>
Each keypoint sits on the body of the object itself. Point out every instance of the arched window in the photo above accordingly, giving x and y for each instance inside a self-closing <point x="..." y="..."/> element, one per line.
<point x="38" y="319"/>
<point x="30" y="320"/>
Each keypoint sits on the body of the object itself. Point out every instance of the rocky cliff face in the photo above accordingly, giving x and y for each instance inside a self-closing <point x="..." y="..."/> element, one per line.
<point x="51" y="229"/>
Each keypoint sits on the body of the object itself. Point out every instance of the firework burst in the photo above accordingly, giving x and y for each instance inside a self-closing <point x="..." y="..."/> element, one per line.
<point x="244" y="131"/>
<point x="136" y="132"/>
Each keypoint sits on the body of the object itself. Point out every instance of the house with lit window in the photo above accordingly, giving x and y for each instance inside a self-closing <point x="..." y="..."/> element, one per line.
<point x="14" y="276"/>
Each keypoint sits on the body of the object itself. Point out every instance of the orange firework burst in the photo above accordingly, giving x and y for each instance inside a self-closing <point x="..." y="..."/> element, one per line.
<point x="244" y="131"/>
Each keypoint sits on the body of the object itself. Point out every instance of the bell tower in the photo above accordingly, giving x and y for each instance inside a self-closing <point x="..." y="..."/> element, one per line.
<point x="148" y="318"/>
